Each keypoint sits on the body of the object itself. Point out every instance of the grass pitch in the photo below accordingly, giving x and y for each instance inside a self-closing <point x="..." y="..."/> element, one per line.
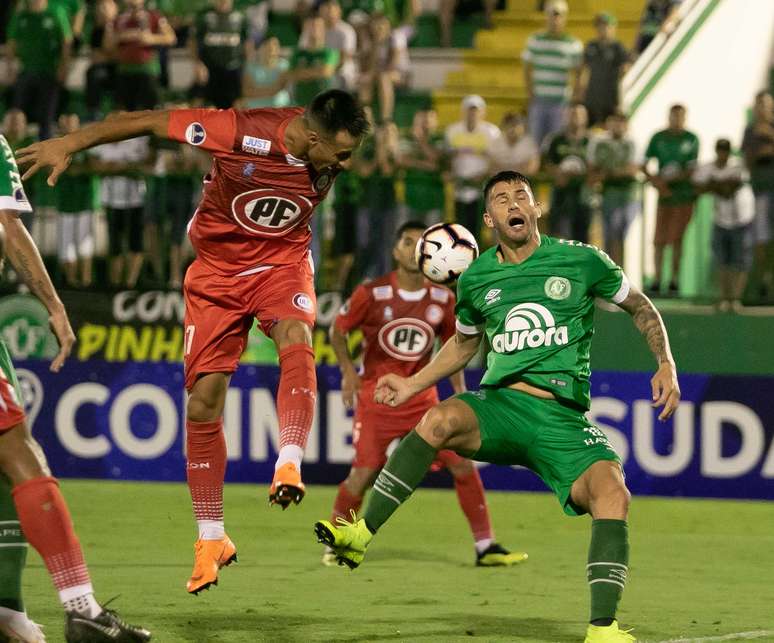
<point x="700" y="570"/>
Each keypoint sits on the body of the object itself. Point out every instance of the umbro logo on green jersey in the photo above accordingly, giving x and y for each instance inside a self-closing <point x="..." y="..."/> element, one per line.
<point x="529" y="326"/>
<point x="492" y="296"/>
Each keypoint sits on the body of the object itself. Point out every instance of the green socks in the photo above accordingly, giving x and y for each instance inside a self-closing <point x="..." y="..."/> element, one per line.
<point x="403" y="472"/>
<point x="13" y="550"/>
<point x="608" y="566"/>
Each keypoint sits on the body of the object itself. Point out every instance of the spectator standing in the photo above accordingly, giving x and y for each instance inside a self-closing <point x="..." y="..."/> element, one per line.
<point x="75" y="10"/>
<point x="605" y="61"/>
<point x="341" y="36"/>
<point x="136" y="35"/>
<point x="515" y="149"/>
<point x="76" y="197"/>
<point x="726" y="180"/>
<point x="218" y="49"/>
<point x="675" y="150"/>
<point x="565" y="161"/>
<point x="384" y="65"/>
<point x="39" y="36"/>
<point x="657" y="16"/>
<point x="421" y="156"/>
<point x="467" y="144"/>
<point x="376" y="164"/>
<point x="758" y="148"/>
<point x="17" y="134"/>
<point x="123" y="195"/>
<point x="101" y="74"/>
<point x="448" y="9"/>
<point x="552" y="62"/>
<point x="265" y="77"/>
<point x="313" y="65"/>
<point x="613" y="164"/>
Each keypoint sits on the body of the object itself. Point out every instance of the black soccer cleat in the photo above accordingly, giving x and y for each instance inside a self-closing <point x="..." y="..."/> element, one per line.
<point x="498" y="556"/>
<point x="107" y="627"/>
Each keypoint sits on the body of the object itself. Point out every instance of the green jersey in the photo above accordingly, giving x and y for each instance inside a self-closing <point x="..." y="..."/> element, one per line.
<point x="675" y="153"/>
<point x="220" y="38"/>
<point x="12" y="195"/>
<point x="553" y="57"/>
<point x="76" y="191"/>
<point x="306" y="90"/>
<point x="539" y="315"/>
<point x="424" y="188"/>
<point x="40" y="38"/>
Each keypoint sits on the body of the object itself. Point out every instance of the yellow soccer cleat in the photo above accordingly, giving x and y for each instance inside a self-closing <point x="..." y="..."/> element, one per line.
<point x="608" y="634"/>
<point x="498" y="556"/>
<point x="209" y="557"/>
<point x="286" y="488"/>
<point x="348" y="540"/>
<point x="329" y="557"/>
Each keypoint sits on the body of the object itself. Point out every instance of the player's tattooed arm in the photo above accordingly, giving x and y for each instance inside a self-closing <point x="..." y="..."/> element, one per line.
<point x="26" y="260"/>
<point x="665" y="388"/>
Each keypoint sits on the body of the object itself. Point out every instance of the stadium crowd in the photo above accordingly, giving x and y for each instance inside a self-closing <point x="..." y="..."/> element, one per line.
<point x="572" y="139"/>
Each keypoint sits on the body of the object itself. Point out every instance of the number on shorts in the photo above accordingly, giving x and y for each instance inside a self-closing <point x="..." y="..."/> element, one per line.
<point x="189" y="335"/>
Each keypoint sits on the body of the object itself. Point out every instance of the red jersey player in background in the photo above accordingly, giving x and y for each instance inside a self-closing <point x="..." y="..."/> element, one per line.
<point x="400" y="315"/>
<point x="251" y="233"/>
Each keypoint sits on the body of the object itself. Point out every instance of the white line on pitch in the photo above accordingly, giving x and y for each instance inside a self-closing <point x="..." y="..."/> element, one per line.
<point x="736" y="636"/>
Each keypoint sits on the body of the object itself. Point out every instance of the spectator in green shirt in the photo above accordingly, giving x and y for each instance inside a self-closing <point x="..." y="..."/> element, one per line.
<point x="76" y="195"/>
<point x="675" y="149"/>
<point x="313" y="67"/>
<point x="219" y="50"/>
<point x="565" y="161"/>
<point x="40" y="39"/>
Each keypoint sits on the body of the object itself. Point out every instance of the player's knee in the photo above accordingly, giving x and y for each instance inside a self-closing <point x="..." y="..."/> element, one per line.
<point x="615" y="499"/>
<point x="291" y="331"/>
<point x="359" y="480"/>
<point x="438" y="425"/>
<point x="461" y="469"/>
<point x="203" y="406"/>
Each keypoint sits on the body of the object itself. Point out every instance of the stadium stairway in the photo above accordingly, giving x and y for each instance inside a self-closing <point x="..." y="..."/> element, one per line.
<point x="492" y="68"/>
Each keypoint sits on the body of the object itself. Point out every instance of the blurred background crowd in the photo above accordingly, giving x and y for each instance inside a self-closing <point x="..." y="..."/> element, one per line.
<point x="118" y="218"/>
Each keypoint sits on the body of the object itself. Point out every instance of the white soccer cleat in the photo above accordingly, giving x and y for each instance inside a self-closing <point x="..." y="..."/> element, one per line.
<point x="19" y="628"/>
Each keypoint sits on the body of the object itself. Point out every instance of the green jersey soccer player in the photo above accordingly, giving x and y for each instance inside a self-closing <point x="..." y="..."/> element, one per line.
<point x="533" y="297"/>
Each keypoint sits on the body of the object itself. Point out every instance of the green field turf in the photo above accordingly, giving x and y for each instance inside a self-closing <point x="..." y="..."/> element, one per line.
<point x="698" y="569"/>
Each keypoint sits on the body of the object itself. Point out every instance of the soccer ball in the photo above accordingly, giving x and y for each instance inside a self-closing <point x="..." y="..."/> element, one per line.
<point x="445" y="251"/>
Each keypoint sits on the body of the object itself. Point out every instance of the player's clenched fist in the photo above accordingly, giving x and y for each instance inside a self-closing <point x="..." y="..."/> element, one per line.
<point x="393" y="390"/>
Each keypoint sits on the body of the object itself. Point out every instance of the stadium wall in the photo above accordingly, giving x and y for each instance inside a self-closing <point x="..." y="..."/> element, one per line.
<point x="116" y="409"/>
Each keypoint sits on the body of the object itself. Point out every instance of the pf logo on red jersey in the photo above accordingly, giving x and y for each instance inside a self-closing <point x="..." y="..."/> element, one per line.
<point x="406" y="339"/>
<point x="269" y="212"/>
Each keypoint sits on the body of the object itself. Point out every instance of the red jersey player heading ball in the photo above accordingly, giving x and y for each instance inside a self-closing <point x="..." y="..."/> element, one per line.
<point x="401" y="315"/>
<point x="251" y="232"/>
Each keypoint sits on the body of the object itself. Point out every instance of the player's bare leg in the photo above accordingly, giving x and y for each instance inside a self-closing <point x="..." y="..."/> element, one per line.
<point x="450" y="425"/>
<point x="601" y="491"/>
<point x="46" y="523"/>
<point x="296" y="397"/>
<point x="205" y="471"/>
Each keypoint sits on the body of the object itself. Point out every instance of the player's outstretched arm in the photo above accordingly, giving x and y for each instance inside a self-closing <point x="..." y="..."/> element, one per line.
<point x="666" y="390"/>
<point x="57" y="152"/>
<point x="454" y="355"/>
<point x="25" y="259"/>
<point x="350" y="379"/>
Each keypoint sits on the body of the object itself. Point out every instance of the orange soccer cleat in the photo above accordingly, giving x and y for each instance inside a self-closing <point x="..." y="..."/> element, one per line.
<point x="209" y="557"/>
<point x="286" y="486"/>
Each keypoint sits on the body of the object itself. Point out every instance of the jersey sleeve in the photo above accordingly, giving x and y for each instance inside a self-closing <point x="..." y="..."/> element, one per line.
<point x="353" y="312"/>
<point x="606" y="278"/>
<point x="470" y="321"/>
<point x="213" y="130"/>
<point x="448" y="323"/>
<point x="12" y="196"/>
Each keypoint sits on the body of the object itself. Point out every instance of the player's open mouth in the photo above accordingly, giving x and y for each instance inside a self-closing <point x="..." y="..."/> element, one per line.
<point x="516" y="221"/>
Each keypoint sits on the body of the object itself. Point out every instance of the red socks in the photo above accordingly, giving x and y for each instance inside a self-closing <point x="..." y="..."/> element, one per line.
<point x="296" y="395"/>
<point x="470" y="493"/>
<point x="344" y="503"/>
<point x="206" y="467"/>
<point x="47" y="526"/>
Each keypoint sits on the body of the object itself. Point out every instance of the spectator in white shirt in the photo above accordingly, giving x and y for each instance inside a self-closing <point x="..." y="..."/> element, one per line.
<point x="341" y="36"/>
<point x="124" y="165"/>
<point x="515" y="149"/>
<point x="468" y="143"/>
<point x="726" y="180"/>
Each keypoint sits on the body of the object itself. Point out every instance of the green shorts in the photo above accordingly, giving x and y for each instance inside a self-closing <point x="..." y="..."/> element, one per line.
<point x="555" y="441"/>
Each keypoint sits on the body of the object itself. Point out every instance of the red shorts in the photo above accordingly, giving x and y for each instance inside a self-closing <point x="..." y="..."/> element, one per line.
<point x="374" y="429"/>
<point x="11" y="413"/>
<point x="219" y="312"/>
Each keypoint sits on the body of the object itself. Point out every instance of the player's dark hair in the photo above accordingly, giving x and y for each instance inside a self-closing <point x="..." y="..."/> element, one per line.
<point x="509" y="176"/>
<point x="409" y="225"/>
<point x="335" y="111"/>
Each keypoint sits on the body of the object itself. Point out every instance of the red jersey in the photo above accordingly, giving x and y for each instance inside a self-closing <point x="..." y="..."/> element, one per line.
<point x="399" y="327"/>
<point x="258" y="199"/>
<point x="133" y="52"/>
